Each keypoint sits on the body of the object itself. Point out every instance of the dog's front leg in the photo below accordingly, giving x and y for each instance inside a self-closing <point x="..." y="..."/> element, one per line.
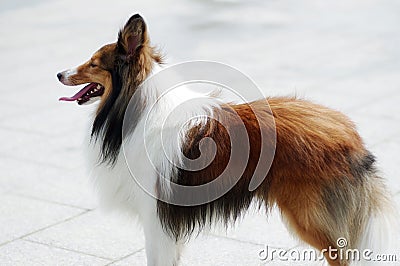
<point x="161" y="248"/>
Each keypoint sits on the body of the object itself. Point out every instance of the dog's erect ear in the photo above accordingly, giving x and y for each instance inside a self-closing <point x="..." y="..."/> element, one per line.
<point x="132" y="36"/>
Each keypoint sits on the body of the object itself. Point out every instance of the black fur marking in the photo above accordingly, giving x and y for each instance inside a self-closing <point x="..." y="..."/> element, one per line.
<point x="361" y="167"/>
<point x="108" y="123"/>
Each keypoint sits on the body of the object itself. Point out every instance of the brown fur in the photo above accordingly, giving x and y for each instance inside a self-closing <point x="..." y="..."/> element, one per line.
<point x="314" y="145"/>
<point x="313" y="177"/>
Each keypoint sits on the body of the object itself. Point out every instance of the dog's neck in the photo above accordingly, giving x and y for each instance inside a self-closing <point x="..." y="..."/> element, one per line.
<point x="127" y="96"/>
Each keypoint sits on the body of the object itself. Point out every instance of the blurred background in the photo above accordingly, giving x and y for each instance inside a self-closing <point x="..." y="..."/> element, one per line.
<point x="343" y="54"/>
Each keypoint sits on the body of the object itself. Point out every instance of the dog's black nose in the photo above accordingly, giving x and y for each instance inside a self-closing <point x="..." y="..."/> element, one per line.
<point x="59" y="76"/>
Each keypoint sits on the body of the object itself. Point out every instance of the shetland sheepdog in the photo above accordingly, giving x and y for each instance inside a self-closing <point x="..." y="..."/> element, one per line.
<point x="322" y="178"/>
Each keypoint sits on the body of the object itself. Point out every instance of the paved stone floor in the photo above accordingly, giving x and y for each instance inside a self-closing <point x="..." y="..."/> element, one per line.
<point x="342" y="54"/>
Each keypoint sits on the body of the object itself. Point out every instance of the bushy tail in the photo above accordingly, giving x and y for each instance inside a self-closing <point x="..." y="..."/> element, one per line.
<point x="378" y="242"/>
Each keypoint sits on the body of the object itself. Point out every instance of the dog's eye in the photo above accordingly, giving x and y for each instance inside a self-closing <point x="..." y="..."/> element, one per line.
<point x="93" y="65"/>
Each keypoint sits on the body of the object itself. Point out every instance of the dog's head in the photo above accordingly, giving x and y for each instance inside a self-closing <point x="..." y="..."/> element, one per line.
<point x="112" y="75"/>
<point x="130" y="60"/>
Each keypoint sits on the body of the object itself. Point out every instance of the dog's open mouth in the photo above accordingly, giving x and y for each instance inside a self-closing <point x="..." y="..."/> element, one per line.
<point x="91" y="90"/>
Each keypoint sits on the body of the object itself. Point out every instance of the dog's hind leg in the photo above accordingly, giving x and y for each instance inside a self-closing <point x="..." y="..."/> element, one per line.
<point x="308" y="232"/>
<point x="320" y="214"/>
<point x="343" y="217"/>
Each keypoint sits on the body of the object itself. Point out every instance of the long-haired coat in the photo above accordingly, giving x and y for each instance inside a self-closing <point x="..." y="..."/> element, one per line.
<point x="322" y="178"/>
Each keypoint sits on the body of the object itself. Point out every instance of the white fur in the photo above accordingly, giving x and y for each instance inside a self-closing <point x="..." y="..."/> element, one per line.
<point x="66" y="76"/>
<point x="71" y="72"/>
<point x="380" y="235"/>
<point x="119" y="190"/>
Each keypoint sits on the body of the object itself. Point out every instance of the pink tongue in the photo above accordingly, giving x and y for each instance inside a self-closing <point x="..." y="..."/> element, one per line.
<point x="80" y="93"/>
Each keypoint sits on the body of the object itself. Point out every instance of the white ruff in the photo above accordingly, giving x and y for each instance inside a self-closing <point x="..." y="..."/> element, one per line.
<point x="152" y="149"/>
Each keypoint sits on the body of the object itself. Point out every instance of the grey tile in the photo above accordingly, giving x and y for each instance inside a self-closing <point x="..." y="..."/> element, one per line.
<point x="137" y="259"/>
<point x="32" y="180"/>
<point x="9" y="110"/>
<point x="388" y="162"/>
<point x="22" y="252"/>
<point x="385" y="105"/>
<point x="208" y="250"/>
<point x="21" y="216"/>
<point x="211" y="250"/>
<point x="375" y="129"/>
<point x="105" y="236"/>
<point x="63" y="151"/>
<point x="261" y="228"/>
<point x="397" y="200"/>
<point x="48" y="122"/>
